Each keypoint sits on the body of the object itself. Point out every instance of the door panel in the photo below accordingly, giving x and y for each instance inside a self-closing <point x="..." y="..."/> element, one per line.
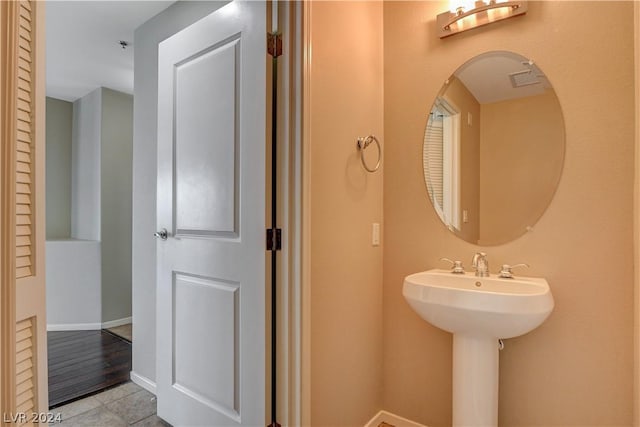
<point x="207" y="86"/>
<point x="211" y="199"/>
<point x="207" y="370"/>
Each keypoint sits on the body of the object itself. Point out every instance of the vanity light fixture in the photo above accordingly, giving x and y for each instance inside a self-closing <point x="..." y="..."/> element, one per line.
<point x="466" y="15"/>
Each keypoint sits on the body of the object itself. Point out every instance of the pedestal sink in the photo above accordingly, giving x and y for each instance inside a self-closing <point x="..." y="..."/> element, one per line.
<point x="477" y="311"/>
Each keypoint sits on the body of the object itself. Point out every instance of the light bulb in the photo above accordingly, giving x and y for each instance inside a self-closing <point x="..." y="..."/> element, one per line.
<point x="461" y="6"/>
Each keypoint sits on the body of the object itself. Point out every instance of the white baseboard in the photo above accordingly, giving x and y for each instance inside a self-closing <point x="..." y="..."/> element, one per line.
<point x="392" y="419"/>
<point x="143" y="382"/>
<point x="75" y="327"/>
<point x="117" y="322"/>
<point x="89" y="326"/>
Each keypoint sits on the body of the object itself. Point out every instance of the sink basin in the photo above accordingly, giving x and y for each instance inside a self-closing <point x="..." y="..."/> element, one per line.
<point x="477" y="311"/>
<point x="479" y="306"/>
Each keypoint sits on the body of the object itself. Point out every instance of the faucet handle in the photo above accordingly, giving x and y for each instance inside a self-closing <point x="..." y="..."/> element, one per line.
<point x="456" y="266"/>
<point x="505" y="270"/>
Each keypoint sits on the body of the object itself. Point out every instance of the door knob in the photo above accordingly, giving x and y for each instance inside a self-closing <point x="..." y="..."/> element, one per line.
<point x="163" y="234"/>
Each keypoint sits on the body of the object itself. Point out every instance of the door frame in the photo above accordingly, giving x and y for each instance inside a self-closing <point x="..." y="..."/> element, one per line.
<point x="294" y="388"/>
<point x="295" y="188"/>
<point x="291" y="382"/>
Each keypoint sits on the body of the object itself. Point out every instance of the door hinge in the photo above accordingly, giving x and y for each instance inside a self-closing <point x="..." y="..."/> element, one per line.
<point x="274" y="239"/>
<point x="274" y="44"/>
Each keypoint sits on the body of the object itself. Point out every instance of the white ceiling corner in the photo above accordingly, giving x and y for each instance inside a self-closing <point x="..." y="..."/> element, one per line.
<point x="82" y="44"/>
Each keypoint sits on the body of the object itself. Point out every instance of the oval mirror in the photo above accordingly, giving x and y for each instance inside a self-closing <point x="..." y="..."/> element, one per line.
<point x="493" y="148"/>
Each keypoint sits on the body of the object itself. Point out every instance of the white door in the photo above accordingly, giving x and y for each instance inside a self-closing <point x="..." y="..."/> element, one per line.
<point x="211" y="200"/>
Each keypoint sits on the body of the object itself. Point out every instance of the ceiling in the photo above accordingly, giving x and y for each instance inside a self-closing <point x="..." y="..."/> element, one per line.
<point x="489" y="77"/>
<point x="83" y="50"/>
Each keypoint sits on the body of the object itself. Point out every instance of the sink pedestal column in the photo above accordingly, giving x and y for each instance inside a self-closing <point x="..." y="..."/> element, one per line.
<point x="475" y="381"/>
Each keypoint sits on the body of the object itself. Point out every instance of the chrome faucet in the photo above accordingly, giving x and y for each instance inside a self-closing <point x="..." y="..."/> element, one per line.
<point x="480" y="264"/>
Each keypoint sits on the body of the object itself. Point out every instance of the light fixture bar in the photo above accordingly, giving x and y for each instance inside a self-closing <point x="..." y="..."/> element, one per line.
<point x="449" y="23"/>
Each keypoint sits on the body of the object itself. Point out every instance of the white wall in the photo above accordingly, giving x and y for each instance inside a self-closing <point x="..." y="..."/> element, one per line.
<point x="58" y="182"/>
<point x="73" y="285"/>
<point x="101" y="191"/>
<point x="116" y="146"/>
<point x="146" y="39"/>
<point x="85" y="167"/>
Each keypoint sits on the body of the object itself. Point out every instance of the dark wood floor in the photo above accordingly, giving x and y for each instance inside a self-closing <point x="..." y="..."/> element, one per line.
<point x="84" y="362"/>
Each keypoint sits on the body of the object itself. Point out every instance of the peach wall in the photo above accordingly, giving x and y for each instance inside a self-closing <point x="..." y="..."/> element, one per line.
<point x="521" y="157"/>
<point x="576" y="369"/>
<point x="636" y="210"/>
<point x="345" y="102"/>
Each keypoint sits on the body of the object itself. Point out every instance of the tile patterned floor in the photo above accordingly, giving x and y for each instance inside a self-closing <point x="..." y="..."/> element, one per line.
<point x="122" y="406"/>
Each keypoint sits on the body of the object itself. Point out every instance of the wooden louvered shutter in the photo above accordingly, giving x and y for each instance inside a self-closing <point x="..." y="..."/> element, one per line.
<point x="24" y="140"/>
<point x="25" y="367"/>
<point x="432" y="158"/>
<point x="22" y="290"/>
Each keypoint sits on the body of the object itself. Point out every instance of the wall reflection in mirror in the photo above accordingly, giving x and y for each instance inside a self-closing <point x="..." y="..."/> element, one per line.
<point x="493" y="148"/>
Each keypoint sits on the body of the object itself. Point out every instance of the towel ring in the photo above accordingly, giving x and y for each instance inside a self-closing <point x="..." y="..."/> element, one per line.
<point x="363" y="143"/>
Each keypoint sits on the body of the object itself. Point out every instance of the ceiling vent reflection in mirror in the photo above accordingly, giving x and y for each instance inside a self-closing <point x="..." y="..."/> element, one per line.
<point x="523" y="78"/>
<point x="466" y="15"/>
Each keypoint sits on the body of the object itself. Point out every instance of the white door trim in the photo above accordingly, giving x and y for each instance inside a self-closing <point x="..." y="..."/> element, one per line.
<point x="304" y="203"/>
<point x="291" y="383"/>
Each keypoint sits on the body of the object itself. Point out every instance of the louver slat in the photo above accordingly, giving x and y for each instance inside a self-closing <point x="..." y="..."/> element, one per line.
<point x="25" y="370"/>
<point x="24" y="192"/>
